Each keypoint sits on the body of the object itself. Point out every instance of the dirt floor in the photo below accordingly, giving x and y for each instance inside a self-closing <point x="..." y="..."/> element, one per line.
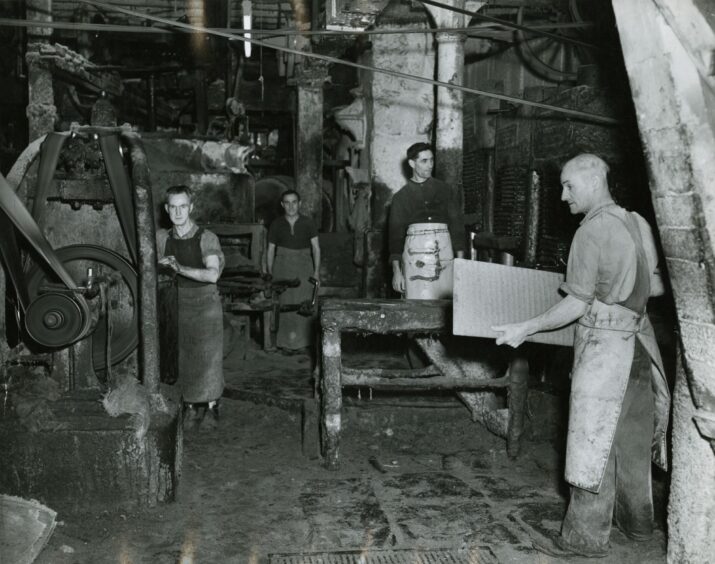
<point x="415" y="474"/>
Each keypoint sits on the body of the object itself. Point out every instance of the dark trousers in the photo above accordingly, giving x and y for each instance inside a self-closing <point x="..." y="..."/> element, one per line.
<point x="626" y="495"/>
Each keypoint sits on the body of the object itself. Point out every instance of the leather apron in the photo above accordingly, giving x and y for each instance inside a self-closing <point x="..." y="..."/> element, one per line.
<point x="604" y="345"/>
<point x="200" y="326"/>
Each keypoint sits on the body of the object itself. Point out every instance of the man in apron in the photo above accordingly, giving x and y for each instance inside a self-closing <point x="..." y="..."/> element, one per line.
<point x="426" y="228"/>
<point x="195" y="255"/>
<point x="620" y="400"/>
<point x="294" y="252"/>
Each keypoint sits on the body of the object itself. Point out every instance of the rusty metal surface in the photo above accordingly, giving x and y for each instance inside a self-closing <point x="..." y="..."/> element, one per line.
<point x="481" y="554"/>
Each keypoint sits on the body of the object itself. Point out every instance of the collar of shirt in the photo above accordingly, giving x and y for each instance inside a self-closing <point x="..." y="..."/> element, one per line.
<point x="190" y="233"/>
<point x="591" y="214"/>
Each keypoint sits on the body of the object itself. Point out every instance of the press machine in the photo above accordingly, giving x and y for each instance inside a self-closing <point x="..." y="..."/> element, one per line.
<point x="78" y="321"/>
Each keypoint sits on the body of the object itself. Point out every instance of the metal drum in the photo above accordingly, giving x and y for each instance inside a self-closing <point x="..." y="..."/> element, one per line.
<point x="428" y="262"/>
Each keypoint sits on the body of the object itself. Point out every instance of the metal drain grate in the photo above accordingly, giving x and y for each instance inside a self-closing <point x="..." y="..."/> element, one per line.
<point x="474" y="555"/>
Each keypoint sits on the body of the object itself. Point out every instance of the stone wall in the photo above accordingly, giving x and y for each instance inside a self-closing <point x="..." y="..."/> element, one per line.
<point x="673" y="96"/>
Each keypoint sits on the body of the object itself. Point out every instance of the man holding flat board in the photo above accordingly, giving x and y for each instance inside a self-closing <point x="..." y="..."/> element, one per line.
<point x="619" y="401"/>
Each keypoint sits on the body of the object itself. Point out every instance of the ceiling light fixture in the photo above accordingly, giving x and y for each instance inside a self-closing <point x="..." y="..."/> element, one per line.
<point x="247" y="25"/>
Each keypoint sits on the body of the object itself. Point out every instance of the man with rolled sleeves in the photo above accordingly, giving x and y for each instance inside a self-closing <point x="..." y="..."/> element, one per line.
<point x="195" y="255"/>
<point x="619" y="400"/>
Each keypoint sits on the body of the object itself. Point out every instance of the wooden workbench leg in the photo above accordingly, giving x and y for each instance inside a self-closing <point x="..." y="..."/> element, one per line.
<point x="332" y="400"/>
<point x="518" y="390"/>
<point x="266" y="329"/>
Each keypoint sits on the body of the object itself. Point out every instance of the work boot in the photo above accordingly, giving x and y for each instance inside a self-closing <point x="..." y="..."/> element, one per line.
<point x="555" y="545"/>
<point x="211" y="417"/>
<point x="192" y="416"/>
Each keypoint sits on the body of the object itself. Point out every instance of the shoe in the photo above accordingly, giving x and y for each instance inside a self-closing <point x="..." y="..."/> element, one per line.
<point x="637" y="537"/>
<point x="211" y="417"/>
<point x="192" y="416"/>
<point x="555" y="545"/>
<point x="634" y="535"/>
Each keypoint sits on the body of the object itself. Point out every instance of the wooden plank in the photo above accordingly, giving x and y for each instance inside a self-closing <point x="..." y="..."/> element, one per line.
<point x="487" y="294"/>
<point x="387" y="316"/>
<point x="434" y="383"/>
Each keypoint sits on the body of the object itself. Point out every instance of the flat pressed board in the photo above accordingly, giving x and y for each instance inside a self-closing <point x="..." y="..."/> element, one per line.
<point x="487" y="294"/>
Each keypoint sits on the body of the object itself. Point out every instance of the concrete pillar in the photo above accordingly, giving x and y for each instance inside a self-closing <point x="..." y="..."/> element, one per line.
<point x="673" y="96"/>
<point x="399" y="111"/>
<point x="310" y="78"/>
<point x="449" y="139"/>
<point x="41" y="111"/>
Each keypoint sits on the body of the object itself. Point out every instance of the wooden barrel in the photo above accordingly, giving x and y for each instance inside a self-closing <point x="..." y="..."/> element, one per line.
<point x="428" y="262"/>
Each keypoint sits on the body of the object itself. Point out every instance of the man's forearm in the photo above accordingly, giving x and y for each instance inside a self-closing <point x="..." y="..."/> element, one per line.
<point x="271" y="255"/>
<point x="209" y="275"/>
<point x="316" y="260"/>
<point x="657" y="288"/>
<point x="566" y="311"/>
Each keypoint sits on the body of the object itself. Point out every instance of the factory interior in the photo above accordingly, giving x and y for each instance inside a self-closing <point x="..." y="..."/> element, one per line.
<point x="398" y="431"/>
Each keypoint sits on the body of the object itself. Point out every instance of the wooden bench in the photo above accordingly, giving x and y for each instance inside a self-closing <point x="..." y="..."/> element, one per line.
<point x="416" y="317"/>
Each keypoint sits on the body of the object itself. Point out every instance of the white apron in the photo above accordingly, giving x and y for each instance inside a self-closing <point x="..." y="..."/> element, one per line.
<point x="604" y="345"/>
<point x="428" y="262"/>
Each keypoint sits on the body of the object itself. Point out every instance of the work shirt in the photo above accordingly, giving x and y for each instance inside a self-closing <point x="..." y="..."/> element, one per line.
<point x="297" y="236"/>
<point x="432" y="201"/>
<point x="209" y="244"/>
<point x="602" y="261"/>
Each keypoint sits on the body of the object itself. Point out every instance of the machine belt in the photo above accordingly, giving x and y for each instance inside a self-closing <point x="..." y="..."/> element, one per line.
<point x="26" y="225"/>
<point x="54" y="318"/>
<point x="49" y="155"/>
<point x="11" y="257"/>
<point x="119" y="182"/>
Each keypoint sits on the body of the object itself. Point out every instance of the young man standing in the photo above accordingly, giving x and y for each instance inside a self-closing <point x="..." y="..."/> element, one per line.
<point x="294" y="252"/>
<point x="426" y="229"/>
<point x="195" y="255"/>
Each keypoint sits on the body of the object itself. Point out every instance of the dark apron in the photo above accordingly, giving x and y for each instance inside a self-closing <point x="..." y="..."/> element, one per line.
<point x="200" y="326"/>
<point x="294" y="331"/>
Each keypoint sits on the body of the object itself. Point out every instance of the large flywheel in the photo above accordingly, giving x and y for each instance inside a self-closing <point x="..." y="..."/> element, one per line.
<point x="55" y="317"/>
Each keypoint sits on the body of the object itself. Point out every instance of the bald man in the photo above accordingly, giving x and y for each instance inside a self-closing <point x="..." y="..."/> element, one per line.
<point x="619" y="400"/>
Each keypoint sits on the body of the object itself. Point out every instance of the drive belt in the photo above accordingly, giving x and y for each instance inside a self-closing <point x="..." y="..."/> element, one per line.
<point x="116" y="173"/>
<point x="56" y="318"/>
<point x="18" y="215"/>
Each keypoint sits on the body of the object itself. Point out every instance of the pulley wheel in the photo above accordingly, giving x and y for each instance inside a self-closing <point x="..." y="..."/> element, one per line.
<point x="123" y="297"/>
<point x="55" y="320"/>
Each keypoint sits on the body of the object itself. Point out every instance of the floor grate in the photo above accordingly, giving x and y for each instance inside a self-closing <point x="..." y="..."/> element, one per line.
<point x="474" y="555"/>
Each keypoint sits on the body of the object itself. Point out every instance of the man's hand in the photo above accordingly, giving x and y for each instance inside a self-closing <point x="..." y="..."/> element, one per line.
<point x="171" y="262"/>
<point x="512" y="334"/>
<point x="398" y="281"/>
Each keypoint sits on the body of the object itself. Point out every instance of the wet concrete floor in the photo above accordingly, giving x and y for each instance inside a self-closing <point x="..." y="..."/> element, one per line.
<point x="415" y="473"/>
